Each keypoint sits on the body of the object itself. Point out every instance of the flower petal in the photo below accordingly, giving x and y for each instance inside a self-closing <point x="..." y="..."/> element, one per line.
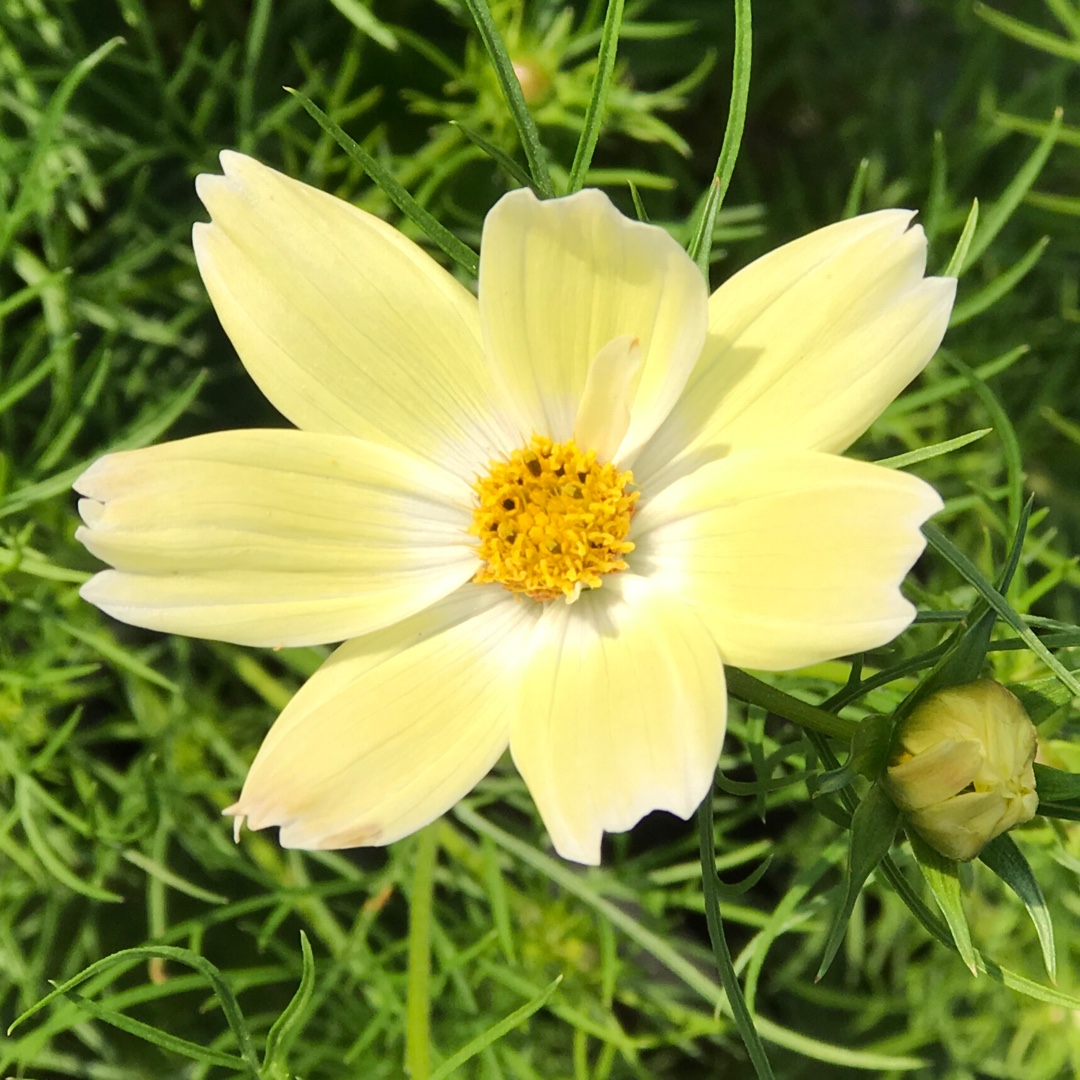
<point x="791" y="558"/>
<point x="808" y="345"/>
<point x="347" y="326"/>
<point x="622" y="712"/>
<point x="559" y="280"/>
<point x="272" y="537"/>
<point x="961" y="826"/>
<point x="939" y="773"/>
<point x="394" y="728"/>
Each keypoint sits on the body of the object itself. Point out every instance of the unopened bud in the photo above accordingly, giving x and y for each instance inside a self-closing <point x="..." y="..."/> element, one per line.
<point x="961" y="767"/>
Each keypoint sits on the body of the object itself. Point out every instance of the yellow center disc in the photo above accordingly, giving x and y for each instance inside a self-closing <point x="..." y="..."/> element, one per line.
<point x="552" y="520"/>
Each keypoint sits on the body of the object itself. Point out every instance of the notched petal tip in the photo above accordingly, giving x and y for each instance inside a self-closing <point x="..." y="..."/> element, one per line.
<point x="897" y="218"/>
<point x="240" y="177"/>
<point x="583" y="850"/>
<point x="234" y="162"/>
<point x="943" y="290"/>
<point x="91" y="511"/>
<point x="583" y="205"/>
<point x="96" y="590"/>
<point x="304" y="827"/>
<point x="646" y="674"/>
<point x="209" y="186"/>
<point x="89" y="481"/>
<point x="238" y="817"/>
<point x="200" y="237"/>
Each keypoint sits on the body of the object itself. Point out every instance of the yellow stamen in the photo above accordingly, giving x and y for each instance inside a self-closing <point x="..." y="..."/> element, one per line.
<point x="552" y="520"/>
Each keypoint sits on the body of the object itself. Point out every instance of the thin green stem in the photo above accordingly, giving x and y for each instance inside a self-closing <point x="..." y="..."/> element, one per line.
<point x="724" y="964"/>
<point x="461" y="253"/>
<point x="515" y="99"/>
<point x="740" y="92"/>
<point x="755" y="692"/>
<point x="700" y="247"/>
<point x="594" y="116"/>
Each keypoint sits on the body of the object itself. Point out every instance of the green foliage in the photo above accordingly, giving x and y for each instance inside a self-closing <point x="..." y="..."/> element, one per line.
<point x="468" y="950"/>
<point x="873" y="827"/>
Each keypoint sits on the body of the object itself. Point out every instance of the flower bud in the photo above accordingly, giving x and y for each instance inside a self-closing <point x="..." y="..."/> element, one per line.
<point x="535" y="80"/>
<point x="961" y="767"/>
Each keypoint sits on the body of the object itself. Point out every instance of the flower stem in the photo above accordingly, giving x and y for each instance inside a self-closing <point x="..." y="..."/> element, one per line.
<point x="724" y="964"/>
<point x="755" y="692"/>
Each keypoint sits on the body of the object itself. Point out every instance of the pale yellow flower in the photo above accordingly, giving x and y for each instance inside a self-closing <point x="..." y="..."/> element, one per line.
<point x="700" y="517"/>
<point x="962" y="767"/>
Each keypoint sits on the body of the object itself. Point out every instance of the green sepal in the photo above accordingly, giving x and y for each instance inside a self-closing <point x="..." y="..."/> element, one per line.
<point x="870" y="746"/>
<point x="1006" y="860"/>
<point x="1055" y="785"/>
<point x="1042" y="698"/>
<point x="1059" y="793"/>
<point x="828" y="783"/>
<point x="873" y="827"/>
<point x="942" y="875"/>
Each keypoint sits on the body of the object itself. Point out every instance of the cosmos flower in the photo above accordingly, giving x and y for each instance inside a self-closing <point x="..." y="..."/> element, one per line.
<point x="544" y="518"/>
<point x="962" y="767"/>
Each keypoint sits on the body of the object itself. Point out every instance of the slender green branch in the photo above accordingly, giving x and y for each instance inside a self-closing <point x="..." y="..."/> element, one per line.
<point x="740" y="92"/>
<point x="755" y="692"/>
<point x="700" y="246"/>
<point x="594" y="117"/>
<point x="724" y="964"/>
<point x="461" y="253"/>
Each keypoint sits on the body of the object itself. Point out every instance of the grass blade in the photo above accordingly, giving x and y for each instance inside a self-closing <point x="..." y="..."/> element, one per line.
<point x="438" y="233"/>
<point x="229" y="1005"/>
<point x="502" y="159"/>
<point x="995" y="218"/>
<point x="925" y="453"/>
<point x="495" y="1032"/>
<point x="594" y="115"/>
<point x="288" y="1025"/>
<point x="362" y="18"/>
<point x="35" y="184"/>
<point x="999" y="287"/>
<point x="682" y="968"/>
<point x="418" y="995"/>
<point x="971" y="573"/>
<point x="700" y="247"/>
<point x="172" y="1043"/>
<point x="1010" y="444"/>
<point x="1053" y="44"/>
<point x="958" y="261"/>
<point x="873" y="827"/>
